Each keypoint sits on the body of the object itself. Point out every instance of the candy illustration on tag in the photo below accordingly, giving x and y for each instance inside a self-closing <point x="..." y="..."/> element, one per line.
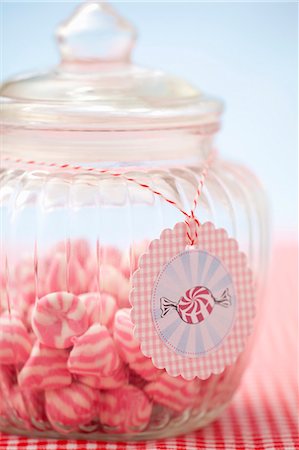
<point x="197" y="304"/>
<point x="200" y="320"/>
<point x="193" y="306"/>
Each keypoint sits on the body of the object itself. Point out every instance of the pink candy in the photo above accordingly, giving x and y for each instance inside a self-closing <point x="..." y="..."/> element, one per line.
<point x="129" y="261"/>
<point x="7" y="379"/>
<point x="25" y="279"/>
<point x="126" y="409"/>
<point x="28" y="406"/>
<point x="94" y="353"/>
<point x="111" y="255"/>
<point x="15" y="342"/>
<point x="80" y="250"/>
<point x="129" y="347"/>
<point x="3" y="288"/>
<point x="117" y="379"/>
<point x="113" y="282"/>
<point x="66" y="268"/>
<point x="175" y="393"/>
<point x="70" y="406"/>
<point x="57" y="318"/>
<point x="100" y="308"/>
<point x="46" y="368"/>
<point x="63" y="275"/>
<point x="20" y="405"/>
<point x="196" y="305"/>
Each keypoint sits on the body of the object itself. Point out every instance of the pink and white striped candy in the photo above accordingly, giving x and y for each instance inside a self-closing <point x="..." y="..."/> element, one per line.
<point x="173" y="392"/>
<point x="117" y="379"/>
<point x="46" y="368"/>
<point x="3" y="289"/>
<point x="80" y="250"/>
<point x="15" y="342"/>
<point x="129" y="347"/>
<point x="126" y="409"/>
<point x="24" y="279"/>
<point x="111" y="255"/>
<point x="100" y="308"/>
<point x="113" y="282"/>
<point x="123" y="296"/>
<point x="28" y="317"/>
<point x="94" y="353"/>
<point x="130" y="260"/>
<point x="108" y="256"/>
<point x="27" y="405"/>
<point x="21" y="288"/>
<point x="7" y="379"/>
<point x="71" y="406"/>
<point x="218" y="389"/>
<point x="137" y="380"/>
<point x="57" y="318"/>
<point x="64" y="274"/>
<point x="145" y="368"/>
<point x="196" y="305"/>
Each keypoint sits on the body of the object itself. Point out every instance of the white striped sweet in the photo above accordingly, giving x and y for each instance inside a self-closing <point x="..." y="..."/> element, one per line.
<point x="21" y="288"/>
<point x="42" y="271"/>
<point x="3" y="288"/>
<point x="94" y="265"/>
<point x="46" y="368"/>
<point x="129" y="347"/>
<point x="78" y="249"/>
<point x="70" y="406"/>
<point x="144" y="367"/>
<point x="7" y="379"/>
<point x="15" y="342"/>
<point x="66" y="274"/>
<point x="113" y="282"/>
<point x="196" y="305"/>
<point x="117" y="379"/>
<point x="4" y="413"/>
<point x="137" y="380"/>
<point x="28" y="317"/>
<point x="123" y="296"/>
<point x="126" y="410"/>
<point x="94" y="353"/>
<point x="110" y="255"/>
<point x="57" y="318"/>
<point x="130" y="259"/>
<point x="218" y="389"/>
<point x="27" y="405"/>
<point x="173" y="392"/>
<point x="100" y="308"/>
<point x="24" y="279"/>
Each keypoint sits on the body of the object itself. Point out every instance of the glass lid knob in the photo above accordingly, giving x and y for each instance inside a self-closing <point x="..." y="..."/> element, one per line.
<point x="95" y="33"/>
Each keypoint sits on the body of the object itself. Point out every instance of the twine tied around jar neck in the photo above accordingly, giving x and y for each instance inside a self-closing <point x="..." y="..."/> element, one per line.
<point x="191" y="221"/>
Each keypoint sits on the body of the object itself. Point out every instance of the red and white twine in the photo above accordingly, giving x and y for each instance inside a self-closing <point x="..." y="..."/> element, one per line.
<point x="191" y="221"/>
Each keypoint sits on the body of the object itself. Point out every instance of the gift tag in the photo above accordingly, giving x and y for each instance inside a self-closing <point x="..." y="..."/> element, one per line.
<point x="193" y="306"/>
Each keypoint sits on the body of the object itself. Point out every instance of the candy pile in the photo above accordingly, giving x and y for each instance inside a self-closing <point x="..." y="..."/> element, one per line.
<point x="68" y="356"/>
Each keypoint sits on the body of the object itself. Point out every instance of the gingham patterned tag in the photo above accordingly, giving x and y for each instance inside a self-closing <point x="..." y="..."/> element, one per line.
<point x="193" y="307"/>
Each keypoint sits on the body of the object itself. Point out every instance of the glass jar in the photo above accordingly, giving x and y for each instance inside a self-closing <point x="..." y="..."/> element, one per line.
<point x="99" y="157"/>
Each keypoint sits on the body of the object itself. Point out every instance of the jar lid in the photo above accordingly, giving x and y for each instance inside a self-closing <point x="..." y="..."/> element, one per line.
<point x="96" y="87"/>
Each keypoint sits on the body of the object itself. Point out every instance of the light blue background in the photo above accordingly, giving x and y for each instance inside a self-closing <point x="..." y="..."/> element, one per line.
<point x="244" y="53"/>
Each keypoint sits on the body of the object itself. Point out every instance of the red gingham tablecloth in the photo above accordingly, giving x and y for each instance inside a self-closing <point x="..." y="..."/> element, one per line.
<point x="264" y="412"/>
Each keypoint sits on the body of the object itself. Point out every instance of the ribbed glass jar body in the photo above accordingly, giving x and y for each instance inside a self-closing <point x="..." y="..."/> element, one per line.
<point x="68" y="226"/>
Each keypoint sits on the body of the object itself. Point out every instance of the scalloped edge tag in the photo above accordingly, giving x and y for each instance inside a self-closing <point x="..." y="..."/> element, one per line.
<point x="193" y="307"/>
